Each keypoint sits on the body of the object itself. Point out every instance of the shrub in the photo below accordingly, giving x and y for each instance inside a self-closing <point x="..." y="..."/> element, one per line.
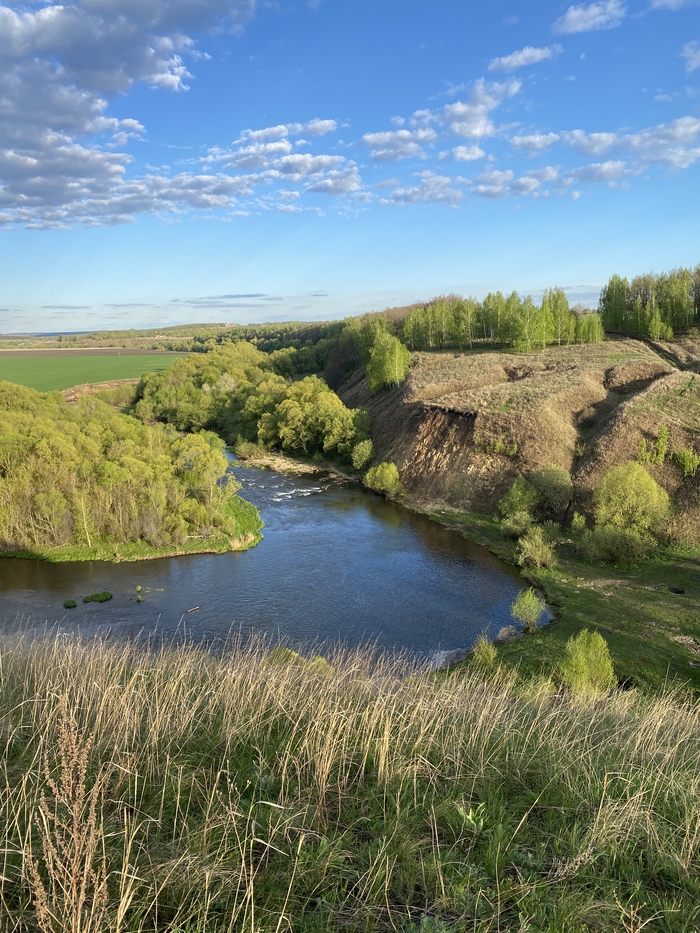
<point x="484" y="652"/>
<point x="554" y="488"/>
<point x="384" y="478"/>
<point x="362" y="454"/>
<point x="578" y="522"/>
<point x="516" y="525"/>
<point x="98" y="597"/>
<point x="687" y="460"/>
<point x="628" y="497"/>
<point x="528" y="608"/>
<point x="617" y="545"/>
<point x="587" y="668"/>
<point x="534" y="550"/>
<point x="521" y="497"/>
<point x="70" y="604"/>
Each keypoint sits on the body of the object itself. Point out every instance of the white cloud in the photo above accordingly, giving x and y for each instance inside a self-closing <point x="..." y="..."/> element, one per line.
<point x="526" y="56"/>
<point x="468" y="153"/>
<point x="534" y="143"/>
<point x="471" y="119"/>
<point x="393" y="145"/>
<point x="496" y="185"/>
<point x="671" y="143"/>
<point x="691" y="54"/>
<point x="432" y="188"/>
<point x="606" y="14"/>
<point x="338" y="182"/>
<point x="598" y="172"/>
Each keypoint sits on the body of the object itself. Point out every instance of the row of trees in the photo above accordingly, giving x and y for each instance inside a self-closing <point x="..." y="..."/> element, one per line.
<point x="654" y="305"/>
<point x="514" y="321"/>
<point x="238" y="392"/>
<point x="84" y="474"/>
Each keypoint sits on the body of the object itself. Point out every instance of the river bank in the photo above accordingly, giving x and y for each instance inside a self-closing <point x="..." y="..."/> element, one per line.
<point x="649" y="614"/>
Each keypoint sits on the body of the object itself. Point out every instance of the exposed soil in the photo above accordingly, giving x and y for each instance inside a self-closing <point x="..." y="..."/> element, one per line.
<point x="75" y="392"/>
<point x="464" y="425"/>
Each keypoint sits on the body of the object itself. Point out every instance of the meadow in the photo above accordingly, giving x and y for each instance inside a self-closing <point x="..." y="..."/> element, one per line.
<point x="181" y="790"/>
<point x="48" y="373"/>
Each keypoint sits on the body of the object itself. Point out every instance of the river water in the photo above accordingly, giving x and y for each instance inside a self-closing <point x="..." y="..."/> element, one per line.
<point x="337" y="563"/>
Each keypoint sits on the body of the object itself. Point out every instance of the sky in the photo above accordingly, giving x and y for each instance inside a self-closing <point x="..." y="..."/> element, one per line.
<point x="173" y="161"/>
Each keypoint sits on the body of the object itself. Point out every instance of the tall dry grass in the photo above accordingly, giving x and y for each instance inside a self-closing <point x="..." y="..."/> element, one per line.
<point x="169" y="789"/>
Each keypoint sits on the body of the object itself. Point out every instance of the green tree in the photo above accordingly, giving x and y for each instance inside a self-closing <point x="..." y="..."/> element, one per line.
<point x="384" y="478"/>
<point x="521" y="497"/>
<point x="589" y="329"/>
<point x="556" y="303"/>
<point x="528" y="608"/>
<point x="389" y="364"/>
<point x="613" y="304"/>
<point x="628" y="497"/>
<point x="362" y="453"/>
<point x="587" y="668"/>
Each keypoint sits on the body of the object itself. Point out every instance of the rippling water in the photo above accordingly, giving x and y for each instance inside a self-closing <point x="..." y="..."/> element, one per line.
<point x="337" y="562"/>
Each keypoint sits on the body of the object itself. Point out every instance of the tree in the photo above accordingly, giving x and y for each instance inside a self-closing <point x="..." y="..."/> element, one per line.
<point x="521" y="497"/>
<point x="389" y="364"/>
<point x="554" y="489"/>
<point x="587" y="668"/>
<point x="589" y="329"/>
<point x="384" y="478"/>
<point x="528" y="608"/>
<point x="628" y="497"/>
<point x="563" y="320"/>
<point x="362" y="453"/>
<point x="529" y="330"/>
<point x="613" y="303"/>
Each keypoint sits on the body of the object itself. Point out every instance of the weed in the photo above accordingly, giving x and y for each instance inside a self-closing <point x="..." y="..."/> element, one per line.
<point x="98" y="597"/>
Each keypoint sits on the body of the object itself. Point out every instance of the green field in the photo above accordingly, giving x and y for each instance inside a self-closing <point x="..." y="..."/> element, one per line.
<point x="48" y="373"/>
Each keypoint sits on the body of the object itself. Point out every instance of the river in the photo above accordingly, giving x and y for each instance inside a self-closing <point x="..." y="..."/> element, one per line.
<point x="337" y="563"/>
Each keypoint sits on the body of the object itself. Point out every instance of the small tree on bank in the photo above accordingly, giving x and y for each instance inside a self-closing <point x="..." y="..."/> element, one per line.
<point x="384" y="478"/>
<point x="628" y="497"/>
<point x="528" y="608"/>
<point x="389" y="363"/>
<point x="587" y="668"/>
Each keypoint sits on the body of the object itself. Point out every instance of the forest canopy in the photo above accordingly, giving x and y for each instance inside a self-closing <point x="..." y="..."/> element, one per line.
<point x="84" y="475"/>
<point x="240" y="392"/>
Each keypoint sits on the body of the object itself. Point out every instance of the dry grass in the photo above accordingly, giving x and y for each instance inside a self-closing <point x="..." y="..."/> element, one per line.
<point x="175" y="790"/>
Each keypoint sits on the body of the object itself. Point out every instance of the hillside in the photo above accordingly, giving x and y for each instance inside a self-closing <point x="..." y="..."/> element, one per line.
<point x="463" y="426"/>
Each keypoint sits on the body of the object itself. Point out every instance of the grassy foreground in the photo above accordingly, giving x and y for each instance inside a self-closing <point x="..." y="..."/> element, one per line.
<point x="51" y="373"/>
<point x="175" y="790"/>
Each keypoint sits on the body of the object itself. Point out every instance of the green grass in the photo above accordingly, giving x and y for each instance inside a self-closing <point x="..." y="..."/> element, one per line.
<point x="49" y="373"/>
<point x="155" y="790"/>
<point x="633" y="609"/>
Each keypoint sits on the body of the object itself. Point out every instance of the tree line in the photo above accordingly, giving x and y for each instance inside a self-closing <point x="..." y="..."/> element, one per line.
<point x="85" y="475"/>
<point x="653" y="305"/>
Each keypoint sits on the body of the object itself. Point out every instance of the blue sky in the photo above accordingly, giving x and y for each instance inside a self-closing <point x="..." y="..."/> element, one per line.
<point x="164" y="161"/>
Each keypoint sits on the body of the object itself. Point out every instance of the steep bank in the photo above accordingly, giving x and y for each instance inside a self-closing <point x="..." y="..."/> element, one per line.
<point x="463" y="426"/>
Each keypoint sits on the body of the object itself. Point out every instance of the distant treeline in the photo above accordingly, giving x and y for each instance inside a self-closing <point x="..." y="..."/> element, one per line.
<point x="653" y="305"/>
<point x="85" y="475"/>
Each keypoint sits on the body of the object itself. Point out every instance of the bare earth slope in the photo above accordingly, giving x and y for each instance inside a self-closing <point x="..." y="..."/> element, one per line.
<point x="464" y="425"/>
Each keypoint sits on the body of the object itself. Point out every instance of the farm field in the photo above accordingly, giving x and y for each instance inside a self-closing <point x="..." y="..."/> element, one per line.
<point x="47" y="373"/>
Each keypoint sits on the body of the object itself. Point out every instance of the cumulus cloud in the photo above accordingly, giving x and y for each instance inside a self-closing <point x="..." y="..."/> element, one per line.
<point x="536" y="142"/>
<point x="471" y="119"/>
<point x="670" y="143"/>
<point x="431" y="188"/>
<point x="393" y="145"/>
<point x="468" y="153"/>
<point x="691" y="54"/>
<point x="606" y="14"/>
<point x="496" y="185"/>
<point x="526" y="56"/>
<point x="610" y="172"/>
<point x="671" y="4"/>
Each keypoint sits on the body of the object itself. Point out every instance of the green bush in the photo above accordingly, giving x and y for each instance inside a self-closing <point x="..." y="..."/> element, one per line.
<point x="617" y="545"/>
<point x="98" y="597"/>
<point x="513" y="526"/>
<point x="628" y="497"/>
<point x="384" y="478"/>
<point x="554" y="488"/>
<point x="362" y="454"/>
<point x="70" y="604"/>
<point x="484" y="652"/>
<point x="528" y="608"/>
<point x="578" y="522"/>
<point x="534" y="550"/>
<point x="521" y="497"/>
<point x="687" y="460"/>
<point x="587" y="668"/>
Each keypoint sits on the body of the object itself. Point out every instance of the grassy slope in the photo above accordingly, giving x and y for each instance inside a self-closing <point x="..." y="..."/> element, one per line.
<point x="632" y="608"/>
<point x="235" y="794"/>
<point x="50" y="373"/>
